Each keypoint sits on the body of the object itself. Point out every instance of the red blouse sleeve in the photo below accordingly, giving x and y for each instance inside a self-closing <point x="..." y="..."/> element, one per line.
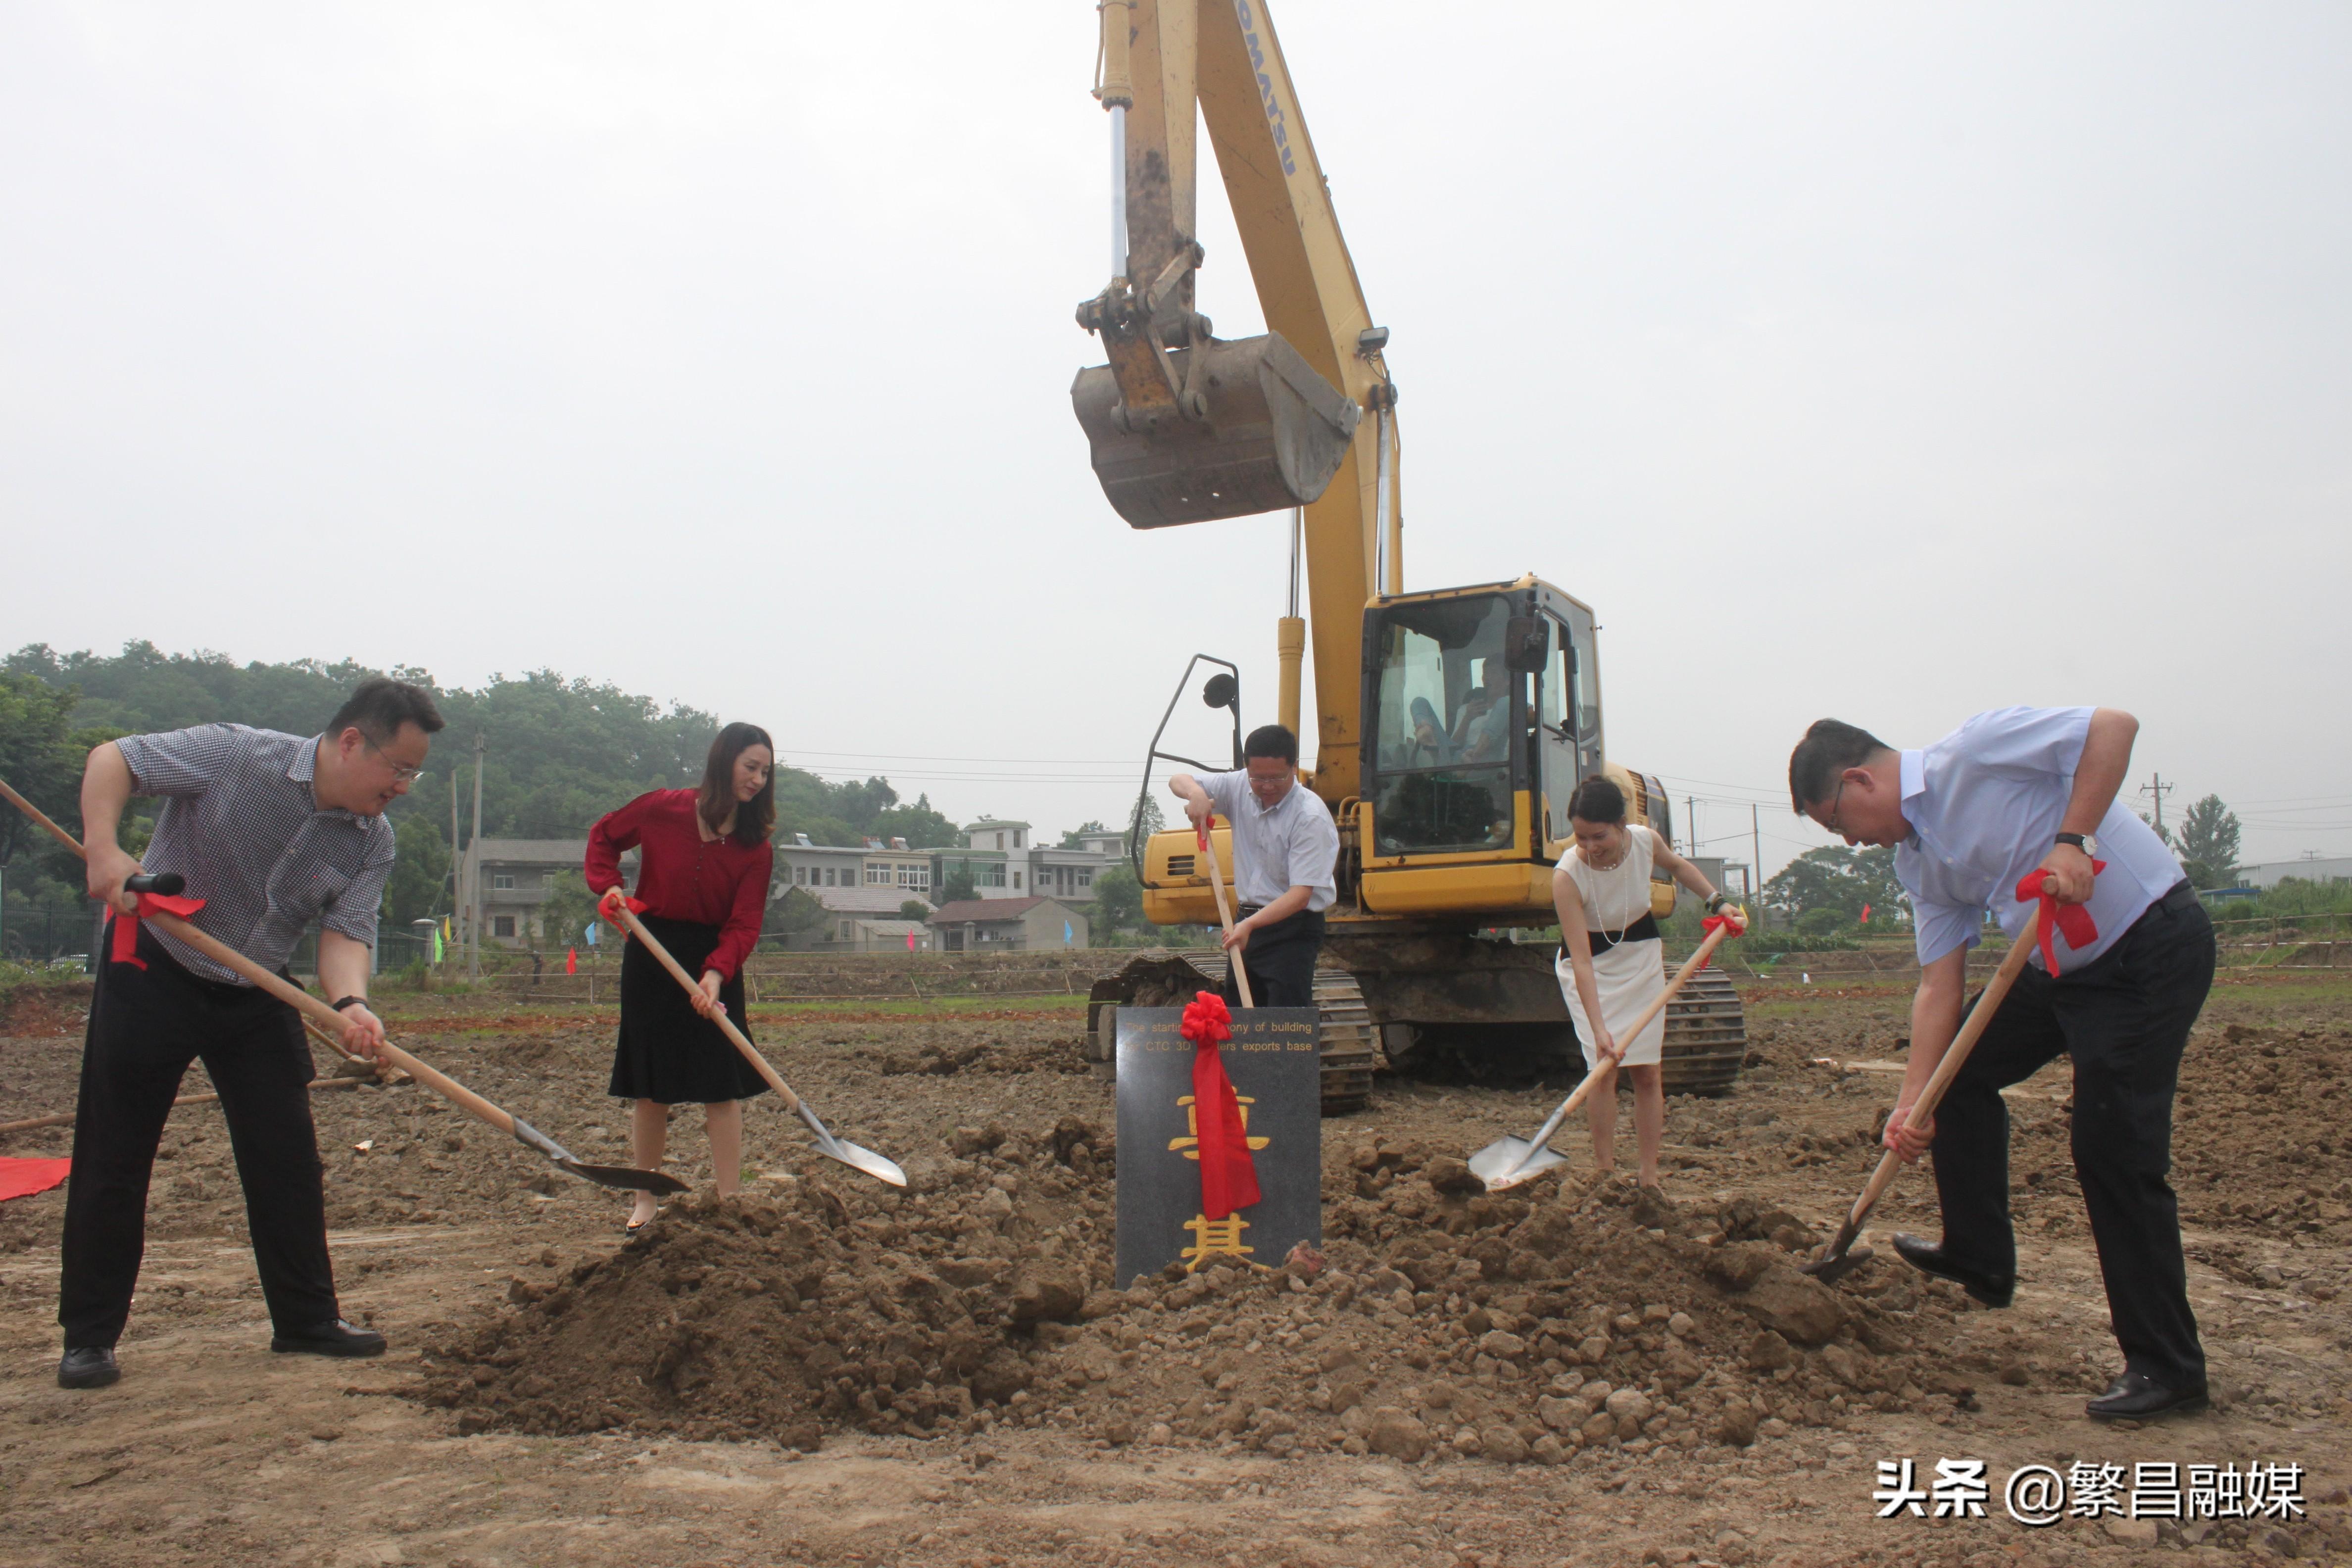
<point x="741" y="935"/>
<point x="613" y="833"/>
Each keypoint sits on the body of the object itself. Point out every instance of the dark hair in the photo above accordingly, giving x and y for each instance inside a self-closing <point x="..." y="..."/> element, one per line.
<point x="1597" y="799"/>
<point x="1828" y="748"/>
<point x="1272" y="741"/>
<point x="754" y="818"/>
<point x="380" y="705"/>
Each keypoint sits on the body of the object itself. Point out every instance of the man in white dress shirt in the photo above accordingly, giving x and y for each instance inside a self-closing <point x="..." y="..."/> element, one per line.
<point x="1286" y="861"/>
<point x="2019" y="792"/>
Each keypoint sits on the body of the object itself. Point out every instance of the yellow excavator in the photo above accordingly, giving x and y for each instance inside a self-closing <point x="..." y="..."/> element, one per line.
<point x="1454" y="722"/>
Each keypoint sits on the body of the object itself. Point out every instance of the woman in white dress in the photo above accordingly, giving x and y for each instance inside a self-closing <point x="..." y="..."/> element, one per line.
<point x="1611" y="964"/>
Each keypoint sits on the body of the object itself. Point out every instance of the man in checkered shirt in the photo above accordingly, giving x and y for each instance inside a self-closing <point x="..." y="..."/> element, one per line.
<point x="276" y="834"/>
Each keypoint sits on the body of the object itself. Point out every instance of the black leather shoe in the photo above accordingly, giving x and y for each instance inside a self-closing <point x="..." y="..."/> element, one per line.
<point x="91" y="1368"/>
<point x="333" y="1337"/>
<point x="1992" y="1289"/>
<point x="2136" y="1397"/>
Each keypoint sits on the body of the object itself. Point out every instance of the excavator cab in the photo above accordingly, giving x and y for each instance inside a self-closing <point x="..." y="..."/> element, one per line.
<point x="1484" y="711"/>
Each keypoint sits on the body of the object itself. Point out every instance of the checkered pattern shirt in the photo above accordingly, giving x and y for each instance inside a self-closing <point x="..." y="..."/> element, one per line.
<point x="241" y="824"/>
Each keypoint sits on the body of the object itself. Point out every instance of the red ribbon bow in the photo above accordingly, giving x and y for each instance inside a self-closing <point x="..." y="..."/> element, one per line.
<point x="1228" y="1174"/>
<point x="126" y="931"/>
<point x="2072" y="921"/>
<point x="605" y="906"/>
<point x="1714" y="923"/>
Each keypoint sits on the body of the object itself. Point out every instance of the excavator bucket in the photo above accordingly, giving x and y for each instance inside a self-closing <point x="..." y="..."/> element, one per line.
<point x="1264" y="431"/>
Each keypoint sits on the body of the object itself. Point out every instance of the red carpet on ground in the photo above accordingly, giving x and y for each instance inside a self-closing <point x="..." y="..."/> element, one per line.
<point x="23" y="1178"/>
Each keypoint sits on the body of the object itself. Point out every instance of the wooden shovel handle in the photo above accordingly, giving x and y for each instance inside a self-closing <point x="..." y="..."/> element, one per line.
<point x="1956" y="1056"/>
<point x="1224" y="915"/>
<point x="310" y="1008"/>
<point x="618" y="910"/>
<point x="1691" y="965"/>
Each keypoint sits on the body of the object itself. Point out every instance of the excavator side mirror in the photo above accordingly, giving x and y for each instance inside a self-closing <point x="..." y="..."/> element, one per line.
<point x="1221" y="691"/>
<point x="1527" y="642"/>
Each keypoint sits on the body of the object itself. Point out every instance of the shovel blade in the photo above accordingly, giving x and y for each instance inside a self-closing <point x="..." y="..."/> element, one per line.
<point x="1838" y="1265"/>
<point x="1507" y="1162"/>
<point x="1272" y="435"/>
<point x="627" y="1177"/>
<point x="879" y="1166"/>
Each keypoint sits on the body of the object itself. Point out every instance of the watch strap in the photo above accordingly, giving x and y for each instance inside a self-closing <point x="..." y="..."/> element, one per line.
<point x="2077" y="839"/>
<point x="351" y="1002"/>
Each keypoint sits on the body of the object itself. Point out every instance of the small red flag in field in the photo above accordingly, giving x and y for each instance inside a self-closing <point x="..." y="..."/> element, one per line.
<point x="1865" y="914"/>
<point x="570" y="961"/>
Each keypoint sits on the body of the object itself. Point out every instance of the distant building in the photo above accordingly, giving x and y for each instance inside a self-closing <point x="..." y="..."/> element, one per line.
<point x="1029" y="924"/>
<point x="882" y="936"/>
<point x="992" y="834"/>
<point x="1109" y="842"/>
<point x="516" y="875"/>
<point x="2270" y="873"/>
<point x="1066" y="874"/>
<point x="801" y="864"/>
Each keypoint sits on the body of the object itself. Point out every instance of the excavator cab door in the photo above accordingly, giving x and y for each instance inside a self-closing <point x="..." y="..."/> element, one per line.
<point x="1237" y="427"/>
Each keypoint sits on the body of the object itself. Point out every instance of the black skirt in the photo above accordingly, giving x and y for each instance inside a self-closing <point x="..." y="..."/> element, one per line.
<point x="667" y="1052"/>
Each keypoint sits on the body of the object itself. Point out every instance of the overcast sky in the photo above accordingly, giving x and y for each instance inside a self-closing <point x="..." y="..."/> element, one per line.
<point x="1889" y="361"/>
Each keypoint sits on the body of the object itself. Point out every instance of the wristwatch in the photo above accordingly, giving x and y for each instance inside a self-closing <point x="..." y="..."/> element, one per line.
<point x="1715" y="905"/>
<point x="2087" y="843"/>
<point x="351" y="1002"/>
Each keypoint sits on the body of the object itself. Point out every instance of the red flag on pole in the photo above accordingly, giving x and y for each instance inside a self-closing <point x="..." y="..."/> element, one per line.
<point x="570" y="961"/>
<point x="910" y="941"/>
<point x="1865" y="914"/>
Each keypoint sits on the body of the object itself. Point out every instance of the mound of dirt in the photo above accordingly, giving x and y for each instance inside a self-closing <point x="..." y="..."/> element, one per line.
<point x="1439" y="1320"/>
<point x="893" y="1311"/>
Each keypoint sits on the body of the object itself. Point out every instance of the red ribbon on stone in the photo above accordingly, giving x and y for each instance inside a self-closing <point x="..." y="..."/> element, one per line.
<point x="126" y="929"/>
<point x="1228" y="1174"/>
<point x="2072" y="921"/>
<point x="1714" y="923"/>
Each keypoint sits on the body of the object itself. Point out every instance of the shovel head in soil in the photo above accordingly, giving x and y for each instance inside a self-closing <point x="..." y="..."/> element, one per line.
<point x="627" y="1177"/>
<point x="1251" y="427"/>
<point x="881" y="1167"/>
<point x="1507" y="1162"/>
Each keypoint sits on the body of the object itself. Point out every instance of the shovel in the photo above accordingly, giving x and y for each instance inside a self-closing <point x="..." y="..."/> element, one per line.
<point x="1225" y="915"/>
<point x="1841" y="1257"/>
<point x="880" y="1167"/>
<point x="1507" y="1162"/>
<point x="316" y="1011"/>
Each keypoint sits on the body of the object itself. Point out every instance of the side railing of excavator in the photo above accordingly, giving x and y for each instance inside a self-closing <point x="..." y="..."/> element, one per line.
<point x="1223" y="689"/>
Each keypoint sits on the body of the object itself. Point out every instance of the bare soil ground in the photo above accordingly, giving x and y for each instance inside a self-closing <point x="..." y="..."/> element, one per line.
<point x="826" y="1373"/>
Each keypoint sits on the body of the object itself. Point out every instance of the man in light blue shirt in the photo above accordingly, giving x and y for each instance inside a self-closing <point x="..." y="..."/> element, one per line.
<point x="1286" y="860"/>
<point x="2023" y="793"/>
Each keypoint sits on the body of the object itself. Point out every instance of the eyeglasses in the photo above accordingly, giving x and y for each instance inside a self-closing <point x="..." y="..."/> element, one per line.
<point x="1836" y="801"/>
<point x="399" y="775"/>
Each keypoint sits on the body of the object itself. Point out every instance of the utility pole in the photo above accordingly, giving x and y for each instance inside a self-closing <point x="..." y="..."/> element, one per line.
<point x="1690" y="833"/>
<point x="1755" y="838"/>
<point x="456" y="880"/>
<point x="474" y="878"/>
<point x="2158" y="789"/>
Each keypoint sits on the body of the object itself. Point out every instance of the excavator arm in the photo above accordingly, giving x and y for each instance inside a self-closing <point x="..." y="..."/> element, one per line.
<point x="1185" y="428"/>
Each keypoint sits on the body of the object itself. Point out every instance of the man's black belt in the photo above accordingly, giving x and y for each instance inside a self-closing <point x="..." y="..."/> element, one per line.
<point x="1643" y="930"/>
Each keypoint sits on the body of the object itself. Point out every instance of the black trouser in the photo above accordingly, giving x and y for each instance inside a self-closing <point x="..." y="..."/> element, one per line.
<point x="1280" y="959"/>
<point x="2124" y="1019"/>
<point x="145" y="1028"/>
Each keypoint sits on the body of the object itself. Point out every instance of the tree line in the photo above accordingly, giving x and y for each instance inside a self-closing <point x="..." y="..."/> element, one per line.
<point x="558" y="753"/>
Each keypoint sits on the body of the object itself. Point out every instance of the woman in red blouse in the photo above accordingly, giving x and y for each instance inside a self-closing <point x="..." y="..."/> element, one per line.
<point x="703" y="879"/>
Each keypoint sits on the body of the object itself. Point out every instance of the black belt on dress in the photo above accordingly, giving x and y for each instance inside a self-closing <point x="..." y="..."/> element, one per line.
<point x="1643" y="930"/>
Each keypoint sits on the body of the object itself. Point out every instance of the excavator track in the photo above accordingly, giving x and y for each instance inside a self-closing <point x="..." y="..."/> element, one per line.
<point x="1169" y="980"/>
<point x="1707" y="1036"/>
